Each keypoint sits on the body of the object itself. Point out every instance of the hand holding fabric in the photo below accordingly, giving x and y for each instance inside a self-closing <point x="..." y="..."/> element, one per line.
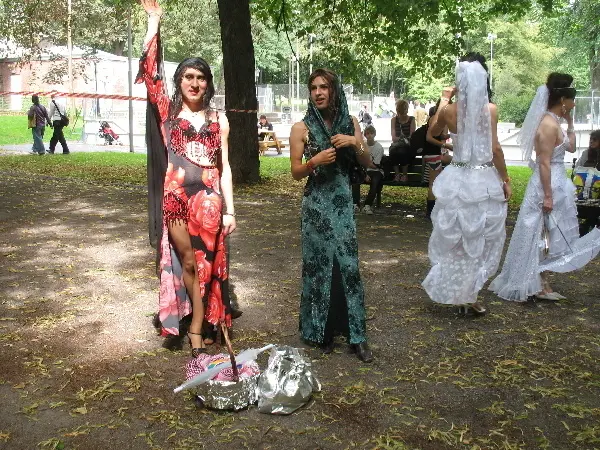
<point x="343" y="140"/>
<point x="325" y="157"/>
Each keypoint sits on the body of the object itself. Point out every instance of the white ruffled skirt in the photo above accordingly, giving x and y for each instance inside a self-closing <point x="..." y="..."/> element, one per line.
<point x="520" y="276"/>
<point x="468" y="235"/>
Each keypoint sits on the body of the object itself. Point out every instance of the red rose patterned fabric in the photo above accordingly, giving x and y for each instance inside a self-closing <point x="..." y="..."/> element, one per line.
<point x="191" y="194"/>
<point x="205" y="361"/>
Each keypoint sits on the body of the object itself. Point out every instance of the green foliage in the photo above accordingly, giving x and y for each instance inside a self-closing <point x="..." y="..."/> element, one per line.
<point x="514" y="107"/>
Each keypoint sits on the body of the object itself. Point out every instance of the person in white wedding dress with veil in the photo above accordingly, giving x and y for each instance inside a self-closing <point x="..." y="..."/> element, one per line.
<point x="546" y="235"/>
<point x="470" y="211"/>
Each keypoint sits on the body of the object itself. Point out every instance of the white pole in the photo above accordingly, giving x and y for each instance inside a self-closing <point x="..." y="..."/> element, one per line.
<point x="292" y="83"/>
<point x="311" y="37"/>
<point x="297" y="69"/>
<point x="491" y="37"/>
<point x="130" y="73"/>
<point x="70" y="50"/>
<point x="491" y="62"/>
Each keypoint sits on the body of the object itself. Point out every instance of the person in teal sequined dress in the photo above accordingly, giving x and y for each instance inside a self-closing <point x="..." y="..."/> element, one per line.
<point x="331" y="143"/>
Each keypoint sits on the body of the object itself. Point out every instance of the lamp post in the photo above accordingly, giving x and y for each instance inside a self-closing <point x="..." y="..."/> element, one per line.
<point x="256" y="75"/>
<point x="311" y="39"/>
<point x="491" y="37"/>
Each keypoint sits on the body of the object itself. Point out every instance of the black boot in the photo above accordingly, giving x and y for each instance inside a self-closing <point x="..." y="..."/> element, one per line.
<point x="328" y="346"/>
<point x="363" y="352"/>
<point x="430" y="205"/>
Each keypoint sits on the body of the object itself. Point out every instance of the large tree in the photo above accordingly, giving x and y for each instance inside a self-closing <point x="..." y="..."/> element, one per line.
<point x="240" y="93"/>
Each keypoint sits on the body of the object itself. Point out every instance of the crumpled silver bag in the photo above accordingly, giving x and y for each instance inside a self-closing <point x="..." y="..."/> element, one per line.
<point x="287" y="383"/>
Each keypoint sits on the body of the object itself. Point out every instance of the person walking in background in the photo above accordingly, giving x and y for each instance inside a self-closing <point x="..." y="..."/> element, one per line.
<point x="364" y="118"/>
<point x="546" y="235"/>
<point x="38" y="117"/>
<point x="329" y="139"/>
<point x="374" y="175"/>
<point x="57" y="113"/>
<point x="471" y="193"/>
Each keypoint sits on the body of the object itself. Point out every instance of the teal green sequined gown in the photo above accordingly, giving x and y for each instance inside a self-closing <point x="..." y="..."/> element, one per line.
<point x="332" y="299"/>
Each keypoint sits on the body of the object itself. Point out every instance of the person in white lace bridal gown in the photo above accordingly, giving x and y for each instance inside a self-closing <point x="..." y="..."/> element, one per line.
<point x="471" y="193"/>
<point x="546" y="235"/>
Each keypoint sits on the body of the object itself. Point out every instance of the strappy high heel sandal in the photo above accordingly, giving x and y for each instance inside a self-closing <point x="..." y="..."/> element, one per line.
<point x="476" y="308"/>
<point x="195" y="350"/>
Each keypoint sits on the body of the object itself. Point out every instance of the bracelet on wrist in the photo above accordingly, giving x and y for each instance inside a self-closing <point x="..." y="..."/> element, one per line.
<point x="310" y="165"/>
<point x="360" y="150"/>
<point x="571" y="130"/>
<point x="229" y="214"/>
<point x="507" y="181"/>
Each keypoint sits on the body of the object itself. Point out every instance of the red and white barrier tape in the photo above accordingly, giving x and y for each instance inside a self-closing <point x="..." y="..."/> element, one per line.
<point x="74" y="94"/>
<point x="107" y="96"/>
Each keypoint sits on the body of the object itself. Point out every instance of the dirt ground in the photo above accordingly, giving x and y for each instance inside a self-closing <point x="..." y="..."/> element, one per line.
<point x="82" y="367"/>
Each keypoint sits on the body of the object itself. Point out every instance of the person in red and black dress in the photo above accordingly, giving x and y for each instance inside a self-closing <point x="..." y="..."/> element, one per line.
<point x="190" y="191"/>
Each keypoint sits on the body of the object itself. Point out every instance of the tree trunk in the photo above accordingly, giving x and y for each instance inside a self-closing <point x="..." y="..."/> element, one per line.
<point x="240" y="89"/>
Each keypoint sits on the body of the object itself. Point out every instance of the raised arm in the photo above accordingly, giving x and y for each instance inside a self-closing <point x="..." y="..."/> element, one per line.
<point x="155" y="12"/>
<point x="438" y="123"/>
<point x="571" y="132"/>
<point x="149" y="70"/>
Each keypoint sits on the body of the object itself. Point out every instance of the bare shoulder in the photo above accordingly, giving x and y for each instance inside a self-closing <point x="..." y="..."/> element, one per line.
<point x="221" y="117"/>
<point x="548" y="125"/>
<point x="299" y="128"/>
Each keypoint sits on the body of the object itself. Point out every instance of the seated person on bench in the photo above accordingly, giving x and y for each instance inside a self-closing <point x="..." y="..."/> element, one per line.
<point x="374" y="176"/>
<point x="264" y="124"/>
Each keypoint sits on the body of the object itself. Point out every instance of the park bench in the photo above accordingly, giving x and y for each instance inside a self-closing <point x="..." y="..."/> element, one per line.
<point x="417" y="176"/>
<point x="270" y="140"/>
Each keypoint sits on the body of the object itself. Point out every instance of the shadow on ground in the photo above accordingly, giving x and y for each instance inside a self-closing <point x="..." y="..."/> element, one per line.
<point x="81" y="366"/>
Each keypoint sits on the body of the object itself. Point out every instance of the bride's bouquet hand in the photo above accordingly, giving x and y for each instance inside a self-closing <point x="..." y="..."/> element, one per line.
<point x="547" y="205"/>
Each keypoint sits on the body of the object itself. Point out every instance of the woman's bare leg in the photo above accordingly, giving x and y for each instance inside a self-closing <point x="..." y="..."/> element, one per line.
<point x="180" y="238"/>
<point x="432" y="176"/>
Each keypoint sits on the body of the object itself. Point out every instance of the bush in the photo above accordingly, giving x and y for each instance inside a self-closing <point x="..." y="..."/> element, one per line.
<point x="513" y="108"/>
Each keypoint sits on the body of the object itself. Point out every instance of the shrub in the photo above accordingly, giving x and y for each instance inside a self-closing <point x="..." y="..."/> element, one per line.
<point x="513" y="108"/>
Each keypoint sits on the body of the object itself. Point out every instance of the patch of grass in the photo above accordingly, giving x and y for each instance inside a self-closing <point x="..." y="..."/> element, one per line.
<point x="13" y="130"/>
<point x="275" y="172"/>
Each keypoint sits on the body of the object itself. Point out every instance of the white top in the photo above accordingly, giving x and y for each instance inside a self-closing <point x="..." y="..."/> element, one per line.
<point x="53" y="110"/>
<point x="376" y="152"/>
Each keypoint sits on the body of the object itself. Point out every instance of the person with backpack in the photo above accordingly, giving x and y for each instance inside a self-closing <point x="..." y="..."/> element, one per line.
<point x="38" y="116"/>
<point x="364" y="118"/>
<point x="58" y="114"/>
